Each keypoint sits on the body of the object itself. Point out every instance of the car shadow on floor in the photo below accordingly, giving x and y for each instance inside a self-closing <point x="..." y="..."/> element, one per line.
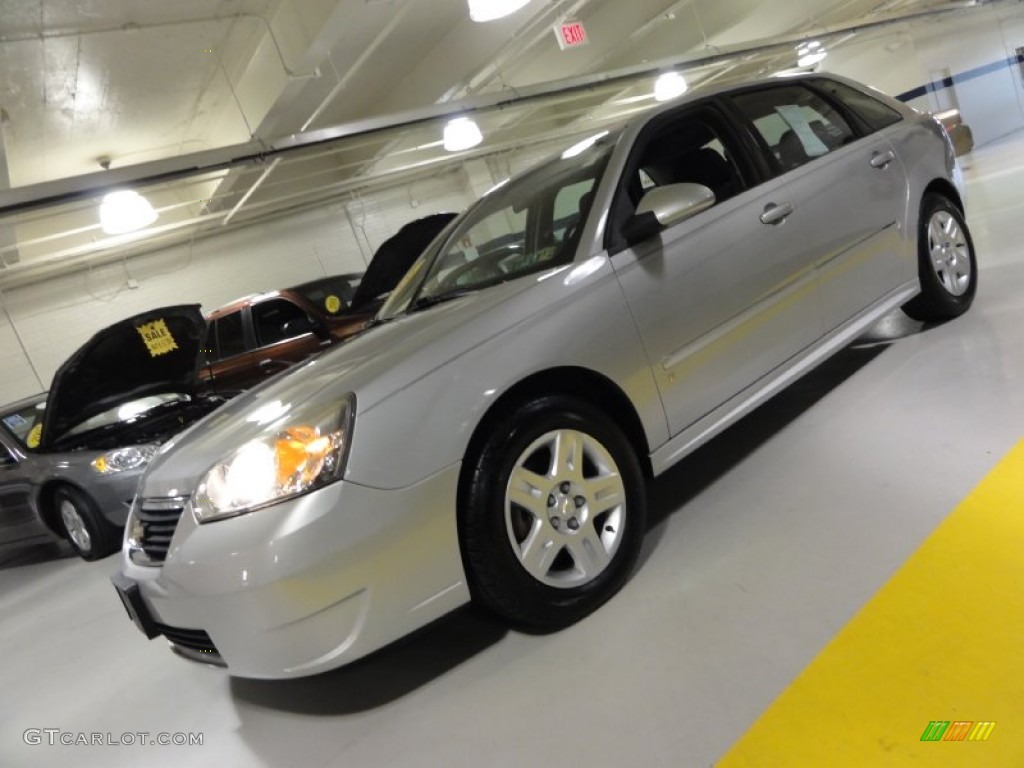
<point x="682" y="483"/>
<point x="34" y="554"/>
<point x="407" y="664"/>
<point x="386" y="675"/>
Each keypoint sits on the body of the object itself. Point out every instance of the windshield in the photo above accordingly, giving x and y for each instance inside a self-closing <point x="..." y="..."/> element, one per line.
<point x="530" y="224"/>
<point x="330" y="294"/>
<point x="25" y="423"/>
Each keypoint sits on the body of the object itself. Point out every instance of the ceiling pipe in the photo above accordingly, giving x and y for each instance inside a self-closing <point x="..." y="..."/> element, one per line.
<point x="27" y="37"/>
<point x="538" y="27"/>
<point x="357" y="65"/>
<point x="89" y="185"/>
<point x="101" y="252"/>
<point x="251" y="190"/>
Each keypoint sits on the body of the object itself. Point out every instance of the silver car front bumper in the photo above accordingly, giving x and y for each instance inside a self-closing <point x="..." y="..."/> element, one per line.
<point x="311" y="583"/>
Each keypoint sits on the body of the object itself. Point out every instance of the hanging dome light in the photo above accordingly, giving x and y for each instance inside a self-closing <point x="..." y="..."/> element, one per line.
<point x="669" y="86"/>
<point x="125" y="211"/>
<point x="489" y="10"/>
<point x="461" y="133"/>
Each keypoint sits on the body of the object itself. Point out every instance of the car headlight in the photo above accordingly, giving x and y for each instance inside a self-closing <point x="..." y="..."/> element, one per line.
<point x="301" y="451"/>
<point x="123" y="459"/>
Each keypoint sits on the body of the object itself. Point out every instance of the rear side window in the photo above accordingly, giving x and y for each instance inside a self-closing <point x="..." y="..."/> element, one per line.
<point x="875" y="113"/>
<point x="228" y="336"/>
<point x="795" y="123"/>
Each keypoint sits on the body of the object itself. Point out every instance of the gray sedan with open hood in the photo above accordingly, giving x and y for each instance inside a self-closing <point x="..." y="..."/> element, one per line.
<point x="70" y="460"/>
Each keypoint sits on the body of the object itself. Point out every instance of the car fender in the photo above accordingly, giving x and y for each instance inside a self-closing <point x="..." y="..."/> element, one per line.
<point x="583" y="324"/>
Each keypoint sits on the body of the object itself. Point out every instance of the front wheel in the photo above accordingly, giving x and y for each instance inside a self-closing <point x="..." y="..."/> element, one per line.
<point x="91" y="536"/>
<point x="946" y="263"/>
<point x="553" y="514"/>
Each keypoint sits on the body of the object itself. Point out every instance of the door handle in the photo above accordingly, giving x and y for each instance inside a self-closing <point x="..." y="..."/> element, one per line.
<point x="776" y="213"/>
<point x="881" y="160"/>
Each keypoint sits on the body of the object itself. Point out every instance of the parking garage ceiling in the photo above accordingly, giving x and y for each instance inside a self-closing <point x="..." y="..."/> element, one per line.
<point x="98" y="91"/>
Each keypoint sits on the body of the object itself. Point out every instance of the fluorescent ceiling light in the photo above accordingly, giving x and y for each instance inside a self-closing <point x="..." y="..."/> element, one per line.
<point x="580" y="147"/>
<point x="461" y="133"/>
<point x="811" y="59"/>
<point x="669" y="85"/>
<point x="125" y="211"/>
<point x="489" y="10"/>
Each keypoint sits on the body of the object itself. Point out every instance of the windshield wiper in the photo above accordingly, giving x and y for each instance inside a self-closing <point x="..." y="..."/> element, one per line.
<point x="425" y="302"/>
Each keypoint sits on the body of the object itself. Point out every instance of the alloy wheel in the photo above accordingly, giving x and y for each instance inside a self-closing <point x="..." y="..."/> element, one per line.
<point x="950" y="253"/>
<point x="565" y="508"/>
<point x="75" y="526"/>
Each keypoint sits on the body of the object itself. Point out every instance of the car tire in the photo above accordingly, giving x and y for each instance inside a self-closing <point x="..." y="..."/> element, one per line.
<point x="89" y="533"/>
<point x="946" y="263"/>
<point x="553" y="513"/>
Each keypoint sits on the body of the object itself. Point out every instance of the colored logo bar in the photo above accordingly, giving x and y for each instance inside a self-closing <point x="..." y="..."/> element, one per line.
<point x="958" y="730"/>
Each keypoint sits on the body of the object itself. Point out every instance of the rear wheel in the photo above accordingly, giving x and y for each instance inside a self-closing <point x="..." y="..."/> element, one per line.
<point x="554" y="513"/>
<point x="91" y="536"/>
<point x="946" y="262"/>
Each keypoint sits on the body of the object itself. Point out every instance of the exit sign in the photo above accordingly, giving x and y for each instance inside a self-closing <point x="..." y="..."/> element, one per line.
<point x="570" y="34"/>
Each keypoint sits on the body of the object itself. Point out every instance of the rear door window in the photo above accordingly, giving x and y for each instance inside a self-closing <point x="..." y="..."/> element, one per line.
<point x="795" y="123"/>
<point x="229" y="337"/>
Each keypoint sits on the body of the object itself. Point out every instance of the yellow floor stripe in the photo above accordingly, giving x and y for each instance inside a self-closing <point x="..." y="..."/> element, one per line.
<point x="943" y="640"/>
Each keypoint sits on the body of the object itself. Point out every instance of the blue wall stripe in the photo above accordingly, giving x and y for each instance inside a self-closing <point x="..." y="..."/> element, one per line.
<point x="971" y="74"/>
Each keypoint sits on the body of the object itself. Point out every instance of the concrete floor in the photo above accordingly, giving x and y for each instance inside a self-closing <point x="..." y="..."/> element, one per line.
<point x="764" y="544"/>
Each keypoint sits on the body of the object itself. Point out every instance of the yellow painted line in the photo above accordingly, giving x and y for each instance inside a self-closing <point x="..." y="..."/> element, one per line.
<point x="943" y="640"/>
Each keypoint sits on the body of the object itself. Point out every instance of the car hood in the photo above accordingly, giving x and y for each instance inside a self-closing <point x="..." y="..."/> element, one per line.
<point x="395" y="256"/>
<point x="150" y="353"/>
<point x="372" y="365"/>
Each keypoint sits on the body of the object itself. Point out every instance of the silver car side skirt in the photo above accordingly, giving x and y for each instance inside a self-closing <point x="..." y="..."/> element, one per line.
<point x="743" y="403"/>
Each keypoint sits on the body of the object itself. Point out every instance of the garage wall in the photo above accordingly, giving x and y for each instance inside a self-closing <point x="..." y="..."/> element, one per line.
<point x="40" y="325"/>
<point x="968" y="62"/>
<point x="55" y="317"/>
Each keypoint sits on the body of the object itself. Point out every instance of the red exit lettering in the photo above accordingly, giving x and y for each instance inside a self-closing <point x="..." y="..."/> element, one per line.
<point x="571" y="34"/>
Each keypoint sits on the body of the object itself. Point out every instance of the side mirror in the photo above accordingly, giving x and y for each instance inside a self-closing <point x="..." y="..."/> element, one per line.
<point x="663" y="207"/>
<point x="319" y="329"/>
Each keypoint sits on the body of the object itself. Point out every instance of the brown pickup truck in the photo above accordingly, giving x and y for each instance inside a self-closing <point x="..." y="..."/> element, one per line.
<point x="257" y="336"/>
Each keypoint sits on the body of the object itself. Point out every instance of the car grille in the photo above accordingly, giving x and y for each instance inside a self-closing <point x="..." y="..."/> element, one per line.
<point x="158" y="518"/>
<point x="192" y="643"/>
<point x="192" y="639"/>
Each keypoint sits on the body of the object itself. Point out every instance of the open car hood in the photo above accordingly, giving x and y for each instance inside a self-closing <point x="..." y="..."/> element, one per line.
<point x="147" y="354"/>
<point x="395" y="256"/>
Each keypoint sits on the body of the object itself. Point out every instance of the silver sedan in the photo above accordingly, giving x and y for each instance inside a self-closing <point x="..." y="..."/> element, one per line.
<point x="580" y="329"/>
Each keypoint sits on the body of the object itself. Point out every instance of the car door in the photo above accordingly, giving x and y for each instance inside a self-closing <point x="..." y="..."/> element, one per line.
<point x="284" y="334"/>
<point x="727" y="295"/>
<point x="230" y="364"/>
<point x="17" y="515"/>
<point x="849" y="190"/>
